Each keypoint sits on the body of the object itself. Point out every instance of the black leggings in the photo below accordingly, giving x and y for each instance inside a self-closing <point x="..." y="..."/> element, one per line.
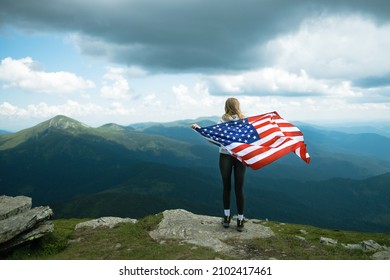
<point x="226" y="165"/>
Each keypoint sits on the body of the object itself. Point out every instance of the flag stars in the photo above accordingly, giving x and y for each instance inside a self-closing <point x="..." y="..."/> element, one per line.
<point x="233" y="131"/>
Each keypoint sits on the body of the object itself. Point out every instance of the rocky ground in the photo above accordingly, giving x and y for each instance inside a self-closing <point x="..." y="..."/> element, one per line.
<point x="19" y="223"/>
<point x="207" y="231"/>
<point x="175" y="234"/>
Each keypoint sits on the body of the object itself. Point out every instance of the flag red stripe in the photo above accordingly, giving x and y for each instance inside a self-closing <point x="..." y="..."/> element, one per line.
<point x="268" y="132"/>
<point x="293" y="134"/>
<point x="278" y="137"/>
<point x="272" y="158"/>
<point x="247" y="152"/>
<point x="264" y="150"/>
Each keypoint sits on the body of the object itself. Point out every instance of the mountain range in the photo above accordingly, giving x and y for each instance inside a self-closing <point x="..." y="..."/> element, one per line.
<point x="136" y="170"/>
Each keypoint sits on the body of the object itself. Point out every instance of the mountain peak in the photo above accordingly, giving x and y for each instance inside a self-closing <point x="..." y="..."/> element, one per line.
<point x="60" y="122"/>
<point x="113" y="126"/>
<point x="64" y="122"/>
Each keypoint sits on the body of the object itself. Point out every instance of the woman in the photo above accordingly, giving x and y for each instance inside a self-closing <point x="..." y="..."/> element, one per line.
<point x="228" y="165"/>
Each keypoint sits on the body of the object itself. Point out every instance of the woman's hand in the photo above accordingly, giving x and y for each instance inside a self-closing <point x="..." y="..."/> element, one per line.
<point x="195" y="126"/>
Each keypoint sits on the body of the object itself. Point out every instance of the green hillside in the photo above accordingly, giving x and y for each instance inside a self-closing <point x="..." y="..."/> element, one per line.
<point x="132" y="242"/>
<point x="114" y="170"/>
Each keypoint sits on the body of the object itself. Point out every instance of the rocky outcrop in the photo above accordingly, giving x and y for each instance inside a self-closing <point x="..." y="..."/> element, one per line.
<point x="328" y="241"/>
<point x="371" y="245"/>
<point x="380" y="252"/>
<point x="206" y="231"/>
<point x="19" y="223"/>
<point x="382" y="255"/>
<point x="109" y="222"/>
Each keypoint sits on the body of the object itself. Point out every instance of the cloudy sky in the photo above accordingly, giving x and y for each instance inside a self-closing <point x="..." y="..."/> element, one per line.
<point x="128" y="61"/>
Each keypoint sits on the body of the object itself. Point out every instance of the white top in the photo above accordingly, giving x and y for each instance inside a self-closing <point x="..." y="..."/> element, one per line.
<point x="222" y="150"/>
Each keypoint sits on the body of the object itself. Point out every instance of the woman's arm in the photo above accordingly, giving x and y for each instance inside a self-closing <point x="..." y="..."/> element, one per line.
<point x="195" y="126"/>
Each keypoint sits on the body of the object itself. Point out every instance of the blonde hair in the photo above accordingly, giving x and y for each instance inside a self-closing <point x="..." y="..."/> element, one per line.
<point x="232" y="107"/>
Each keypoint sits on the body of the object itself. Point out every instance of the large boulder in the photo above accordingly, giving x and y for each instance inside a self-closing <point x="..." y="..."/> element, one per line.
<point x="206" y="231"/>
<point x="11" y="206"/>
<point x="20" y="223"/>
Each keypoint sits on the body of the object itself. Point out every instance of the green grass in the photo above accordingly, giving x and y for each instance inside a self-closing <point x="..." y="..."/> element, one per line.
<point x="49" y="245"/>
<point x="132" y="242"/>
<point x="286" y="244"/>
<point x="125" y="241"/>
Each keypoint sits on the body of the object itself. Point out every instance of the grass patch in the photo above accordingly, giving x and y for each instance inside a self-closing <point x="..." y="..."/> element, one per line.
<point x="124" y="242"/>
<point x="300" y="242"/>
<point x="132" y="242"/>
<point x="49" y="245"/>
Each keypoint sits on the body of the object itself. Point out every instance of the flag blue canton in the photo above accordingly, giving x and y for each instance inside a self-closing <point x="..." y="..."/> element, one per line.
<point x="239" y="131"/>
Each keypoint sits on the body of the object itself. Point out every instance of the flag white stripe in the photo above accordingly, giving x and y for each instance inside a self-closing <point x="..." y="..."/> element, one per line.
<point x="278" y="142"/>
<point x="269" y="153"/>
<point x="274" y="147"/>
<point x="273" y="144"/>
<point x="247" y="150"/>
<point x="263" y="140"/>
<point x="281" y="121"/>
<point x="298" y="138"/>
<point x="289" y="129"/>
<point x="260" y="122"/>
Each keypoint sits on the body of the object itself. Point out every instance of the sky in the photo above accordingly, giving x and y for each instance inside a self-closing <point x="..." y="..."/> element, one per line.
<point x="130" y="61"/>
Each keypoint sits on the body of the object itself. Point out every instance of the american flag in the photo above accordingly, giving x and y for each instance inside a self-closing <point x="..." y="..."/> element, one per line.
<point x="259" y="140"/>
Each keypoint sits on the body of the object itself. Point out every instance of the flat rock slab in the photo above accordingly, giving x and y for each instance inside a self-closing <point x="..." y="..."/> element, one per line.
<point x="15" y="225"/>
<point x="205" y="231"/>
<point x="40" y="229"/>
<point x="104" y="222"/>
<point x="382" y="255"/>
<point x="11" y="206"/>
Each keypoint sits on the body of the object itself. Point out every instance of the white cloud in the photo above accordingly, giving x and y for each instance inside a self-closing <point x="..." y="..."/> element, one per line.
<point x="334" y="47"/>
<point x="203" y="94"/>
<point x="151" y="102"/>
<point x="117" y="108"/>
<point x="276" y="81"/>
<point x="7" y="109"/>
<point x="43" y="110"/>
<point x="190" y="102"/>
<point x="24" y="73"/>
<point x="136" y="71"/>
<point x="119" y="87"/>
<point x="316" y="72"/>
<point x="341" y="101"/>
<point x="183" y="96"/>
<point x="315" y="109"/>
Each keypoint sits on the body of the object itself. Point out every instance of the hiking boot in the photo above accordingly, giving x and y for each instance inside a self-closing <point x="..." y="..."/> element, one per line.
<point x="240" y="225"/>
<point x="226" y="221"/>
